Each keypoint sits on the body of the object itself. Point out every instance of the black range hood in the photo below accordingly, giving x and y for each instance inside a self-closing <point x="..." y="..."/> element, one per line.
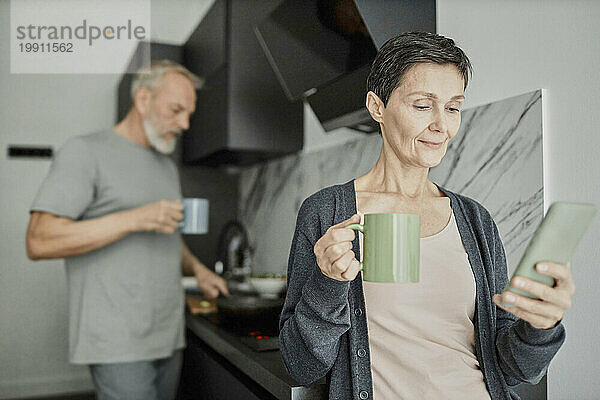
<point x="242" y="115"/>
<point x="321" y="50"/>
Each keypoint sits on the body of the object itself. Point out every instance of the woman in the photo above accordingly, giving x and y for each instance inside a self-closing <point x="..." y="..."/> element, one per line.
<point x="447" y="336"/>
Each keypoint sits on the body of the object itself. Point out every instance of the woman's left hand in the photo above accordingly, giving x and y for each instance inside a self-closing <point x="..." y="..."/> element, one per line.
<point x="548" y="310"/>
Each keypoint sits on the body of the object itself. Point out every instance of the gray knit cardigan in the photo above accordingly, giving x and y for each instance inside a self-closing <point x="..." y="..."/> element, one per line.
<point x="324" y="326"/>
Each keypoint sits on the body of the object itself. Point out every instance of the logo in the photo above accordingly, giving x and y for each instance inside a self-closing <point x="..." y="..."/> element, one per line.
<point x="83" y="31"/>
<point x="77" y="36"/>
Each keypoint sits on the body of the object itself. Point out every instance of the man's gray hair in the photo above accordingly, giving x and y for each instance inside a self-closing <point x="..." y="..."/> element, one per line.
<point x="150" y="75"/>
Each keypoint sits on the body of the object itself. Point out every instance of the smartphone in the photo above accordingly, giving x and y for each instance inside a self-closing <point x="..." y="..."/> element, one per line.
<point x="555" y="239"/>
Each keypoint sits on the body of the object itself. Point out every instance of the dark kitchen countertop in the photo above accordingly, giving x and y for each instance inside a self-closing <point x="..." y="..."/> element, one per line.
<point x="265" y="368"/>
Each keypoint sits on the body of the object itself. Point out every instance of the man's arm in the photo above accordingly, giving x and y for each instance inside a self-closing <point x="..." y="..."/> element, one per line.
<point x="209" y="282"/>
<point x="189" y="262"/>
<point x="52" y="236"/>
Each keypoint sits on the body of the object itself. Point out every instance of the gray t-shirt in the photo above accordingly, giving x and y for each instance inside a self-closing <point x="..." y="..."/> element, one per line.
<point x="125" y="299"/>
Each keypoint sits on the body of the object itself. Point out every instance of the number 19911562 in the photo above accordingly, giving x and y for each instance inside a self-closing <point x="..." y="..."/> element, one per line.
<point x="46" y="47"/>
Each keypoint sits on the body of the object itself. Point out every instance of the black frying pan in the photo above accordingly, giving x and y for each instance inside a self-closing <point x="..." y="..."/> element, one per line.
<point x="245" y="314"/>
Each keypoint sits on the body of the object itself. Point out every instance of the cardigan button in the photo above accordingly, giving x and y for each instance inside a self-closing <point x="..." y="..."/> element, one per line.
<point x="358" y="312"/>
<point x="361" y="352"/>
<point x="363" y="395"/>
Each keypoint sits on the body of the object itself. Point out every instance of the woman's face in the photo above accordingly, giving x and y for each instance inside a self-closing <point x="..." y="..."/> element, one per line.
<point x="423" y="114"/>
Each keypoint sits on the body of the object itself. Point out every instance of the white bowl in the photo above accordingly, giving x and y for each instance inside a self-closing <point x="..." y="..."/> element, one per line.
<point x="268" y="287"/>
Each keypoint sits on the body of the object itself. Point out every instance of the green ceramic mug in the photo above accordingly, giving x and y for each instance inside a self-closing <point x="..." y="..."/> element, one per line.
<point x="391" y="247"/>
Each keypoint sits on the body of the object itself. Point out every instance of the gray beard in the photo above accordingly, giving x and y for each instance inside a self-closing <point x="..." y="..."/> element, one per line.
<point x="156" y="140"/>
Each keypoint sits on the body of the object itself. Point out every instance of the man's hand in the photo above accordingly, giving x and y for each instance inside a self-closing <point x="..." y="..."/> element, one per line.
<point x="548" y="310"/>
<point x="161" y="216"/>
<point x="209" y="282"/>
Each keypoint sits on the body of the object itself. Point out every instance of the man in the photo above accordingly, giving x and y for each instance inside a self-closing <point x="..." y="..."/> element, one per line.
<point x="110" y="206"/>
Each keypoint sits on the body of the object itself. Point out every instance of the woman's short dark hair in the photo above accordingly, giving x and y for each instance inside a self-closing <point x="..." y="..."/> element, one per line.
<point x="401" y="52"/>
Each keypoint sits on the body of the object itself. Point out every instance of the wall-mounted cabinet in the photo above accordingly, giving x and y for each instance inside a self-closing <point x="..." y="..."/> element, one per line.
<point x="242" y="115"/>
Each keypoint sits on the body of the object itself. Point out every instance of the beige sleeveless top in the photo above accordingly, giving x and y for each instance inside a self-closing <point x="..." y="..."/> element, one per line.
<point x="421" y="335"/>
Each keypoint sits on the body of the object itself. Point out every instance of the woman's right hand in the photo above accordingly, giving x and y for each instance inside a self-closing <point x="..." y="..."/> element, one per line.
<point x="334" y="251"/>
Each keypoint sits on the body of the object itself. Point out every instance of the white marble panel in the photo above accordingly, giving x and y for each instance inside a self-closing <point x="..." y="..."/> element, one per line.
<point x="496" y="158"/>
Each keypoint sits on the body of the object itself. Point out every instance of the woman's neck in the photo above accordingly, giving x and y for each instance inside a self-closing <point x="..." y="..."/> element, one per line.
<point x="408" y="182"/>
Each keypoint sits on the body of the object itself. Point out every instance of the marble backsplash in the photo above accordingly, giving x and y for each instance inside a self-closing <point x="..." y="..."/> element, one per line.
<point x="496" y="158"/>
